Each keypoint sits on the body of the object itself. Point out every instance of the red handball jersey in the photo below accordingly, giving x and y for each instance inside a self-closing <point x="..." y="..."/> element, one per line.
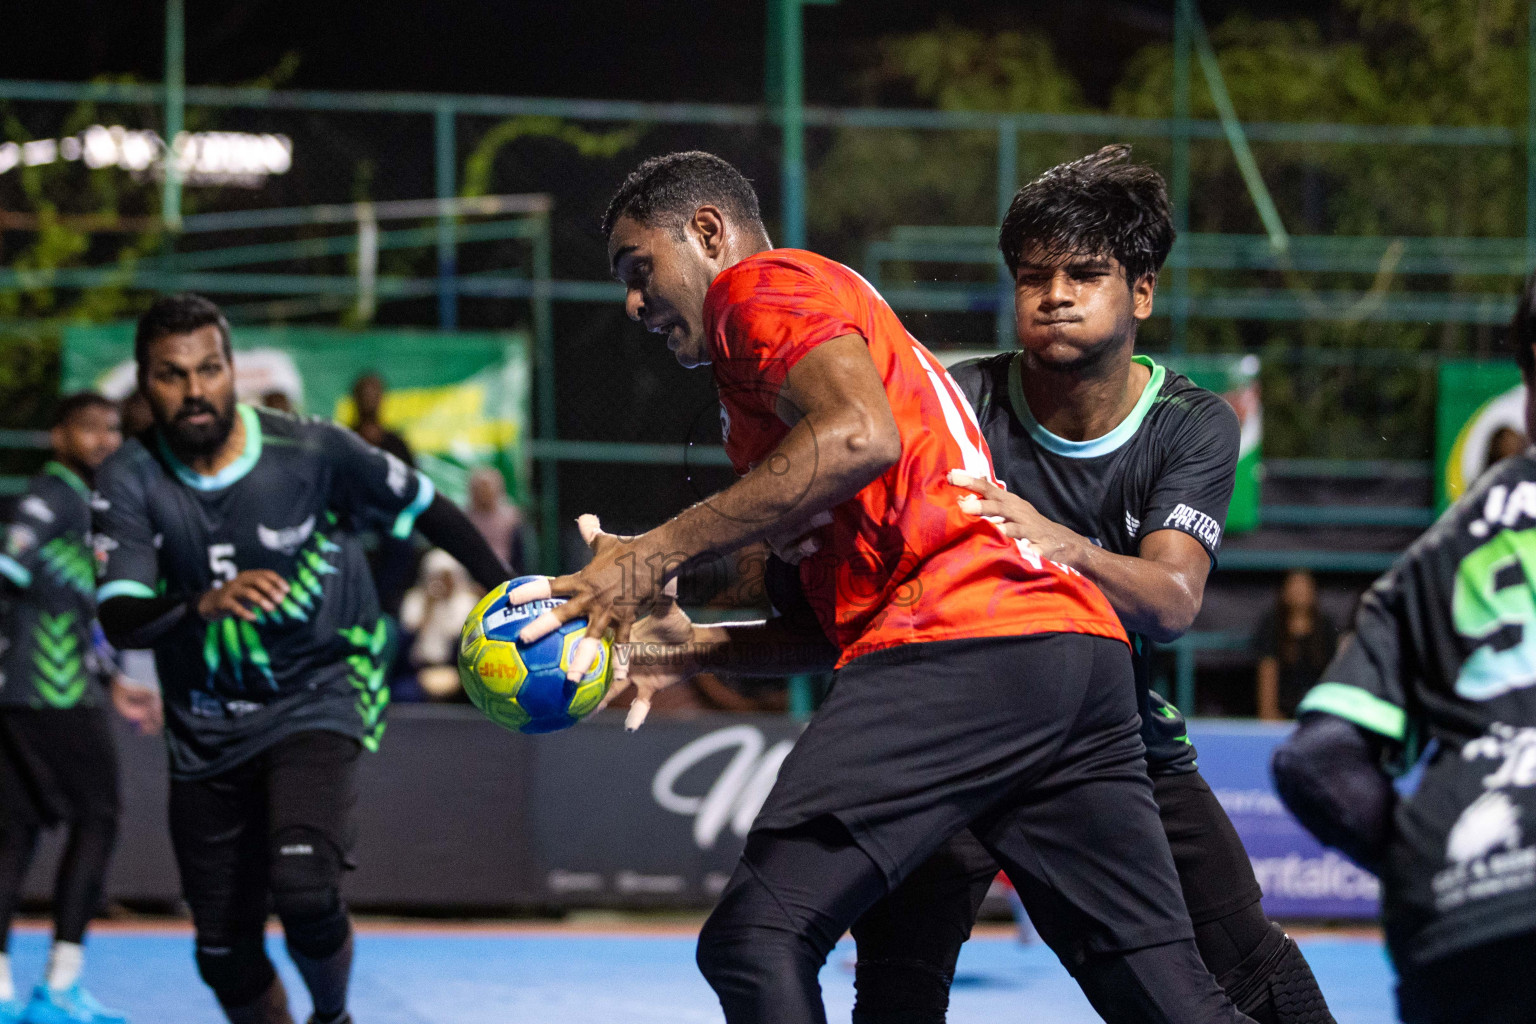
<point x="899" y="563"/>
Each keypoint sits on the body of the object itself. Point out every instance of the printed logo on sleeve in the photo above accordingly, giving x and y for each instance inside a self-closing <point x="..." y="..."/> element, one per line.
<point x="19" y="540"/>
<point x="37" y="508"/>
<point x="399" y="474"/>
<point x="1132" y="524"/>
<point x="1195" y="523"/>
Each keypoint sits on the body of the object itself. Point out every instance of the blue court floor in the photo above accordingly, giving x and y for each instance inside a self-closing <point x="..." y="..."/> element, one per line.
<point x="517" y="976"/>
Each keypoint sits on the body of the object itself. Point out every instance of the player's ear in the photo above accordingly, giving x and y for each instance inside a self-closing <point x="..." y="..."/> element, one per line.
<point x="708" y="229"/>
<point x="1141" y="296"/>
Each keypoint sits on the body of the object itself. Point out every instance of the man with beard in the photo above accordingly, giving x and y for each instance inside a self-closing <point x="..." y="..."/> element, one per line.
<point x="1122" y="469"/>
<point x="227" y="531"/>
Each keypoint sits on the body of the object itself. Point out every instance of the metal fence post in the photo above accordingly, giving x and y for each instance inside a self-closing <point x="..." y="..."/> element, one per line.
<point x="1177" y="264"/>
<point x="544" y="367"/>
<point x="447" y="245"/>
<point x="1007" y="182"/>
<point x="1530" y="139"/>
<point x="175" y="112"/>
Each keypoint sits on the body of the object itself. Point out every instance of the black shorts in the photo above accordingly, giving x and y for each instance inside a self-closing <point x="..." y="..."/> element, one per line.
<point x="57" y="765"/>
<point x="1034" y="742"/>
<point x="223" y="827"/>
<point x="930" y="915"/>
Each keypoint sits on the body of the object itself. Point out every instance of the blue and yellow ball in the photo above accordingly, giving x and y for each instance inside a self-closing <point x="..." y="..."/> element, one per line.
<point x="520" y="686"/>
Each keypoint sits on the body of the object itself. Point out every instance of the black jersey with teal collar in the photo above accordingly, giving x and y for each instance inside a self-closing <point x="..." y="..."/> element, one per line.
<point x="1444" y="650"/>
<point x="1169" y="465"/>
<point x="47" y="659"/>
<point x="289" y="503"/>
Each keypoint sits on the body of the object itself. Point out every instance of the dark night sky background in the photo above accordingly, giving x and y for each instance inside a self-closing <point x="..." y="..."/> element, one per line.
<point x="642" y="49"/>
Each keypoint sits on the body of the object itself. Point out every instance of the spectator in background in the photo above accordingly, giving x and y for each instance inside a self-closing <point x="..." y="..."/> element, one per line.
<point x="434" y="611"/>
<point x="392" y="560"/>
<point x="1294" y="642"/>
<point x="1506" y="441"/>
<point x="497" y="519"/>
<point x="368" y="400"/>
<point x="278" y="400"/>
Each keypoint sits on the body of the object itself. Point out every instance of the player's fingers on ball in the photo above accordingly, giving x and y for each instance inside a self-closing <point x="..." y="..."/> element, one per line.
<point x="591" y="528"/>
<point x="637" y="712"/>
<point x="621" y="642"/>
<point x="540" y="589"/>
<point x="583" y="658"/>
<point x="545" y="624"/>
<point x="615" y="688"/>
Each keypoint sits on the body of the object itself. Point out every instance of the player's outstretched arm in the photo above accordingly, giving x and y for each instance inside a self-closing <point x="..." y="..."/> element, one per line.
<point x="1156" y="592"/>
<point x="842" y="436"/>
<point x="1328" y="772"/>
<point x="446" y="526"/>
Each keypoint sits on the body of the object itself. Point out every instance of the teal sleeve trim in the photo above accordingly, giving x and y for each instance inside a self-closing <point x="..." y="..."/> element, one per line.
<point x="15" y="572"/>
<point x="123" y="588"/>
<point x="1361" y="707"/>
<point x="406" y="521"/>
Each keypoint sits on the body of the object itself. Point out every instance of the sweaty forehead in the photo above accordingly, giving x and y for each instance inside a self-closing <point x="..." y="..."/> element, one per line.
<point x="193" y="346"/>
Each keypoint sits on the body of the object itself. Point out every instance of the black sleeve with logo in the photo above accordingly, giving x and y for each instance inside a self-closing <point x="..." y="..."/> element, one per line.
<point x="47" y="608"/>
<point x="1443" y="660"/>
<point x="1200" y="448"/>
<point x="232" y="687"/>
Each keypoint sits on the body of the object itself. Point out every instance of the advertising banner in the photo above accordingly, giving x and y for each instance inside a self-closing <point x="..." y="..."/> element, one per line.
<point x="460" y="400"/>
<point x="1477" y="404"/>
<point x="1299" y="877"/>
<point x="1235" y="378"/>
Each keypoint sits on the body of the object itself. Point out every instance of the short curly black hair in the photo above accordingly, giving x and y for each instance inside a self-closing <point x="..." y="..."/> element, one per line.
<point x="1100" y="205"/>
<point x="667" y="190"/>
<point x="1522" y="329"/>
<point x="177" y="314"/>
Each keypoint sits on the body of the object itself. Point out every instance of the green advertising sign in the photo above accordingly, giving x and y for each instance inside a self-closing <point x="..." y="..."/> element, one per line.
<point x="1477" y="403"/>
<point x="460" y="400"/>
<point x="1235" y="378"/>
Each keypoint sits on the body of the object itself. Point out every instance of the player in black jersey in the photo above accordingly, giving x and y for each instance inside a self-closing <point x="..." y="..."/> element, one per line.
<point x="58" y="763"/>
<point x="229" y="550"/>
<point x="1442" y="662"/>
<point x="1122" y="470"/>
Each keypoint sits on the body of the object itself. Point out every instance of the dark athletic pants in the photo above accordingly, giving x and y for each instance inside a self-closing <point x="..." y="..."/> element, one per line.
<point x="1493" y="983"/>
<point x="272" y="832"/>
<point x="909" y="942"/>
<point x="57" y="766"/>
<point x="1032" y="742"/>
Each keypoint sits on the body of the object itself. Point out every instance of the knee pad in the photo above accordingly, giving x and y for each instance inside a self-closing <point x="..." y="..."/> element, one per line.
<point x="238" y="973"/>
<point x="306" y="893"/>
<point x="1275" y="985"/>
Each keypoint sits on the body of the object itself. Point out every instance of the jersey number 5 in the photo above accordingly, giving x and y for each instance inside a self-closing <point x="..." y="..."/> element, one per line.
<point x="1494" y="605"/>
<point x="221" y="562"/>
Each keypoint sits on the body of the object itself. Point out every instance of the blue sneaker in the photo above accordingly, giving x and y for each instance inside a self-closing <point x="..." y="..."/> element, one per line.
<point x="11" y="1011"/>
<point x="73" y="1005"/>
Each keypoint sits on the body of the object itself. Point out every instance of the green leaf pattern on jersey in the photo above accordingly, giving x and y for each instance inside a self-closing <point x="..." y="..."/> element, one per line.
<point x="57" y="661"/>
<point x="69" y="562"/>
<point x="369" y="666"/>
<point x="237" y="643"/>
<point x="307" y="585"/>
<point x="1494" y="605"/>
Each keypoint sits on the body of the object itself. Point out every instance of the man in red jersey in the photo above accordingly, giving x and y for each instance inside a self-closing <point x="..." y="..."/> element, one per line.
<point x="978" y="684"/>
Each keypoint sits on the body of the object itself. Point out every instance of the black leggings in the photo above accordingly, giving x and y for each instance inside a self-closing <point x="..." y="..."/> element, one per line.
<point x="795" y="892"/>
<point x="57" y="767"/>
<point x="275" y="831"/>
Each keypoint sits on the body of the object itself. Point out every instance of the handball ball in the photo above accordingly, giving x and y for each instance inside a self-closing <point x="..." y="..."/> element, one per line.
<point x="521" y="686"/>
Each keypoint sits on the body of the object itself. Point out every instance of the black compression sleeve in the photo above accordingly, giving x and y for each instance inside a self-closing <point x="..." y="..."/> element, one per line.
<point x="134" y="623"/>
<point x="446" y="526"/>
<point x="1329" y="774"/>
